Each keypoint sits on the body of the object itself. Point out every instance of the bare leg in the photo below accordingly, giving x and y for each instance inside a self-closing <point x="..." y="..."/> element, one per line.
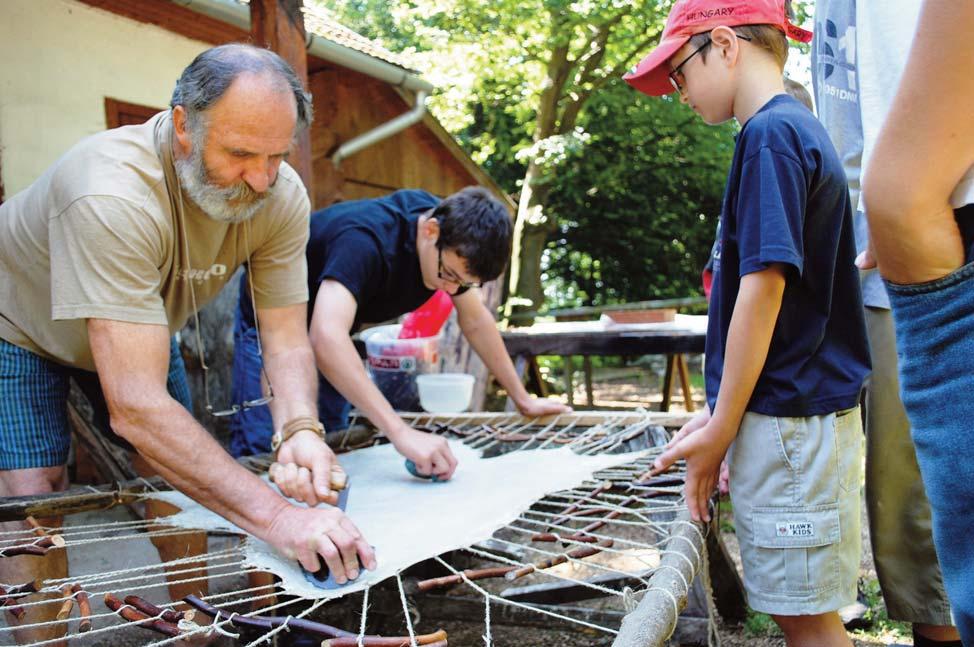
<point x="940" y="633"/>
<point x="54" y="565"/>
<point x="822" y="630"/>
<point x="188" y="582"/>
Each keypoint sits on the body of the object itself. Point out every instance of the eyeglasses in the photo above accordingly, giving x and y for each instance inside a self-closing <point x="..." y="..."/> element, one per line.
<point x="246" y="404"/>
<point x="450" y="276"/>
<point x="677" y="79"/>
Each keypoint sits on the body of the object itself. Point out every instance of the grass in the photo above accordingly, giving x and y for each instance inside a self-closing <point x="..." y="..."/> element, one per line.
<point x="759" y="625"/>
<point x="880" y="623"/>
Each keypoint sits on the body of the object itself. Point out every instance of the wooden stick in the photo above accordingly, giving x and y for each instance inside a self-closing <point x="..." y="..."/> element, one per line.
<point x="550" y="537"/>
<point x="15" y="610"/>
<point x="438" y="637"/>
<point x="267" y="622"/>
<point x="169" y="615"/>
<point x="10" y="594"/>
<point x="65" y="611"/>
<point x="471" y="574"/>
<point x="84" y="608"/>
<point x="19" y="590"/>
<point x="603" y="487"/>
<point x="56" y="539"/>
<point x="26" y="549"/>
<point x="579" y="553"/>
<point x="135" y="616"/>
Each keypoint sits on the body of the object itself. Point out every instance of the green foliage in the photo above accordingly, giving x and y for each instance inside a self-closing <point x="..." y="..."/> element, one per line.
<point x="634" y="184"/>
<point x="877" y="617"/>
<point x="638" y="205"/>
<point x="760" y="624"/>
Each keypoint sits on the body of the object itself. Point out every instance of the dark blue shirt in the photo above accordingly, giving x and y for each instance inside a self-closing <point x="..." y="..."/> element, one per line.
<point x="369" y="246"/>
<point x="787" y="202"/>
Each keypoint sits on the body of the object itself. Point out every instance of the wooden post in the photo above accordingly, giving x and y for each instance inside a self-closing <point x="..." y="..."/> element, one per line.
<point x="569" y="379"/>
<point x="684" y="370"/>
<point x="668" y="382"/>
<point x="278" y="25"/>
<point x="587" y="366"/>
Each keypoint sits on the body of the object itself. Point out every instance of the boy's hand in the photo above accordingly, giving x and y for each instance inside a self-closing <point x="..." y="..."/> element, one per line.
<point x="538" y="407"/>
<point x="703" y="448"/>
<point x="430" y="453"/>
<point x="696" y="422"/>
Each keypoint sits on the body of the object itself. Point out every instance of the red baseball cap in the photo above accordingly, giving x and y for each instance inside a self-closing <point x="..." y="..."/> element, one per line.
<point x="690" y="17"/>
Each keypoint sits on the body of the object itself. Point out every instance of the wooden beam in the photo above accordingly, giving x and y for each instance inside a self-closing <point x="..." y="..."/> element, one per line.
<point x="180" y="20"/>
<point x="279" y="26"/>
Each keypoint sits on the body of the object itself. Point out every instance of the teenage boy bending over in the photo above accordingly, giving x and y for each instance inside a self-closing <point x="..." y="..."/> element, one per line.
<point x="786" y="341"/>
<point x="370" y="261"/>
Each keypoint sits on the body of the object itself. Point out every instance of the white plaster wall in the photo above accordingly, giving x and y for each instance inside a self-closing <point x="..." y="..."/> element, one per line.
<point x="59" y="59"/>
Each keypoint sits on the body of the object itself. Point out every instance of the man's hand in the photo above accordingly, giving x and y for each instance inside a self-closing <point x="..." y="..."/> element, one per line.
<point x="306" y="469"/>
<point x="538" y="407"/>
<point x="703" y="446"/>
<point x="430" y="452"/>
<point x="306" y="534"/>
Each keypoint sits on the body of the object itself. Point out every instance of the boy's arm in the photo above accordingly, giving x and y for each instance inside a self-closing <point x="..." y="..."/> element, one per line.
<point x="480" y="329"/>
<point x="748" y="341"/>
<point x="338" y="361"/>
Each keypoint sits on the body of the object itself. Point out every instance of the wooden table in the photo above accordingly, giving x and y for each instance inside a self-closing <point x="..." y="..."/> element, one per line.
<point x="587" y="338"/>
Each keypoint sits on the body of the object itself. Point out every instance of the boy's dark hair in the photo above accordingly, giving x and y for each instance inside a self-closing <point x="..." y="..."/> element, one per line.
<point x="476" y="226"/>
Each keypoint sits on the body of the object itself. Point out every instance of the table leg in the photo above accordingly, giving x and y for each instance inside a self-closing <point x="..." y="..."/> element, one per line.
<point x="587" y="365"/>
<point x="668" y="382"/>
<point x="569" y="379"/>
<point x="681" y="366"/>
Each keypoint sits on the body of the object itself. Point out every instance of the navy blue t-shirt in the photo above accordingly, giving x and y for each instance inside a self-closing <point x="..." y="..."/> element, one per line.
<point x="369" y="246"/>
<point x="787" y="201"/>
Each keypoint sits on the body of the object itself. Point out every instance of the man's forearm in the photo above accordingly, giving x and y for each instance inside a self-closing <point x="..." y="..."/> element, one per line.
<point x="748" y="341"/>
<point x="193" y="462"/>
<point x="294" y="379"/>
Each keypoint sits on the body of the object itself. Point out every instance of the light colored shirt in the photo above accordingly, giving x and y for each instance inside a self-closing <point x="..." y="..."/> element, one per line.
<point x="99" y="236"/>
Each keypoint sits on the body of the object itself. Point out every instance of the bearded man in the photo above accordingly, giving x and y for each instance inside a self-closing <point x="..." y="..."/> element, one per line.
<point x="106" y="256"/>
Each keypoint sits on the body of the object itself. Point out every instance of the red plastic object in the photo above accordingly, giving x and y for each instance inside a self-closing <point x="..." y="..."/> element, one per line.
<point x="427" y="319"/>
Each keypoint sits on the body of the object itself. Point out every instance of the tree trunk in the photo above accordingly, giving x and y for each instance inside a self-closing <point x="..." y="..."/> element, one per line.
<point x="531" y="231"/>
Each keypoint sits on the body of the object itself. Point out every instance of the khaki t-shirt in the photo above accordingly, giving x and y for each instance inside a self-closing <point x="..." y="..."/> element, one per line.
<point x="99" y="236"/>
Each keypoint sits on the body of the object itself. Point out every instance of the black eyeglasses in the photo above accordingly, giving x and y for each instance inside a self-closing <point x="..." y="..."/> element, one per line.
<point x="450" y="276"/>
<point x="677" y="79"/>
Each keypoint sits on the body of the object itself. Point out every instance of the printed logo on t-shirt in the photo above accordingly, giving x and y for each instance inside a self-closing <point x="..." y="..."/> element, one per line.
<point x="217" y="269"/>
<point x="837" y="53"/>
<point x="794" y="529"/>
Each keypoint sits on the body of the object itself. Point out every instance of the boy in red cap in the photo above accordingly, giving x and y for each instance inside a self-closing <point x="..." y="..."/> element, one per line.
<point x="786" y="341"/>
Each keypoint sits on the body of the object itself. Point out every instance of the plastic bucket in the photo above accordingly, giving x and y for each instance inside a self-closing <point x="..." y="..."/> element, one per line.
<point x="394" y="363"/>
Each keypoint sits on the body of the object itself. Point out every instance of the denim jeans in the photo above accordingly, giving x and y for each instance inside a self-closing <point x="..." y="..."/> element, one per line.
<point x="251" y="429"/>
<point x="935" y="343"/>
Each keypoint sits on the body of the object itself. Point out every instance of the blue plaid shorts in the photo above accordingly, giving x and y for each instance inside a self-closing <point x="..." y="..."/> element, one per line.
<point x="34" y="430"/>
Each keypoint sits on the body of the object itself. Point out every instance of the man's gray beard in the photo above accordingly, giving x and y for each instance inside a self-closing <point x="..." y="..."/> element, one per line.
<point x="231" y="204"/>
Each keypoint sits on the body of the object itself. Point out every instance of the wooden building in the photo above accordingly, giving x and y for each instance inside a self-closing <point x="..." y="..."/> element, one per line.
<point x="69" y="68"/>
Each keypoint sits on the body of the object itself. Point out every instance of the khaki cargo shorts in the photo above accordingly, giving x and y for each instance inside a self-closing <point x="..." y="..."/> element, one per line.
<point x="795" y="484"/>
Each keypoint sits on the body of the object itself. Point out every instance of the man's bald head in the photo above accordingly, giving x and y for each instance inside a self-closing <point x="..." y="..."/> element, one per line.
<point x="211" y="73"/>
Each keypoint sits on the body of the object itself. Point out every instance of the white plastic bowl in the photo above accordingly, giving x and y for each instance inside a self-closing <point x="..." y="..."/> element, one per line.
<point x="445" y="392"/>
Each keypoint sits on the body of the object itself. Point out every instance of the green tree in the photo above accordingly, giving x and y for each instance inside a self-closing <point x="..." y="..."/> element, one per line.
<point x="637" y="207"/>
<point x="536" y="63"/>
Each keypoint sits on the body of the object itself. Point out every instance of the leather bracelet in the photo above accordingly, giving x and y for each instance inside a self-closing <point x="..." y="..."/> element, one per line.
<point x="293" y="426"/>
